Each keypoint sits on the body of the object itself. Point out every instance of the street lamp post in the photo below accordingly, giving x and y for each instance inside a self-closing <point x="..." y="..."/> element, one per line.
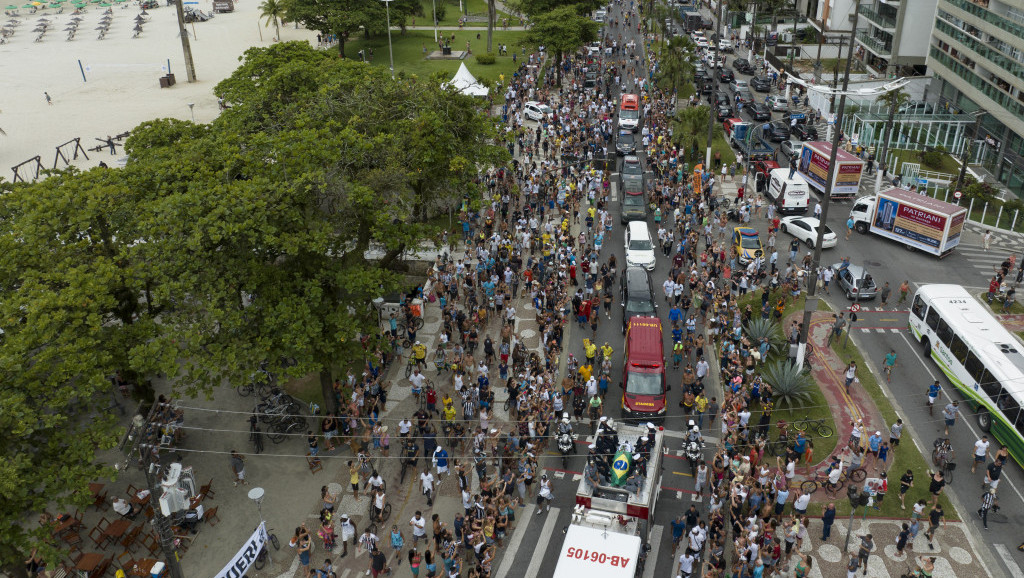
<point x="256" y="494"/>
<point x="714" y="90"/>
<point x="391" y="54"/>
<point x="435" y="20"/>
<point x="811" y="303"/>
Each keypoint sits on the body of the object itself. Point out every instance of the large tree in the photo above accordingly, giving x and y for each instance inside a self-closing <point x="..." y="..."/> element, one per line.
<point x="561" y="30"/>
<point x="75" y="303"/>
<point x="218" y="247"/>
<point x="342" y="18"/>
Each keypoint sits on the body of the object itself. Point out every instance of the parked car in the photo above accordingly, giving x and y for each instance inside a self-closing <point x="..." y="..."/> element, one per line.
<point x="717" y="61"/>
<point x="776" y="102"/>
<point x="804" y="131"/>
<point x="724" y="45"/>
<point x="855" y="282"/>
<point x="743" y="65"/>
<point x="722" y="100"/>
<point x="746" y="98"/>
<point x="788" y="148"/>
<point x="806" y="230"/>
<point x="625" y="143"/>
<point x="761" y="84"/>
<point x="738" y="85"/>
<point x="758" y="111"/>
<point x="779" y="131"/>
<point x="724" y="112"/>
<point x="726" y="75"/>
<point x="534" y="110"/>
<point x="637" y="297"/>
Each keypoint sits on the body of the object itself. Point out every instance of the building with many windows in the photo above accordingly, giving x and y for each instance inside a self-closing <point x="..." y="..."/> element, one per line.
<point x="892" y="37"/>
<point x="976" y="55"/>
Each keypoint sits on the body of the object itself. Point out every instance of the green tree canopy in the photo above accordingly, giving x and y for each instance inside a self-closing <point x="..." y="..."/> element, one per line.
<point x="218" y="247"/>
<point x="561" y="30"/>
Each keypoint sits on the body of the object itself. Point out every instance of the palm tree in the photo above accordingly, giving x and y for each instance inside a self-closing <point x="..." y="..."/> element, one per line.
<point x="492" y="15"/>
<point x="676" y="62"/>
<point x="273" y="11"/>
<point x="690" y="126"/>
<point x="894" y="99"/>
<point x="758" y="328"/>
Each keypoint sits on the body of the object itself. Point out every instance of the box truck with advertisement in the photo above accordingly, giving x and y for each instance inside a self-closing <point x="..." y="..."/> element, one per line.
<point x="812" y="165"/>
<point x="612" y="520"/>
<point x="917" y="221"/>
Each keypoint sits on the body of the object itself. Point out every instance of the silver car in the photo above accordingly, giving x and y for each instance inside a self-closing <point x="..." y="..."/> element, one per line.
<point x="855" y="282"/>
<point x="777" y="102"/>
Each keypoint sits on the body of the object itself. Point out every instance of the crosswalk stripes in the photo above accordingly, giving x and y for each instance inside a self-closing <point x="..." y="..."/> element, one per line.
<point x="509" y="555"/>
<point x="545" y="537"/>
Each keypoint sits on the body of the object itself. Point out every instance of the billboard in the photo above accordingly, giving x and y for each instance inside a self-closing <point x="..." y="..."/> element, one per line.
<point x="813" y="167"/>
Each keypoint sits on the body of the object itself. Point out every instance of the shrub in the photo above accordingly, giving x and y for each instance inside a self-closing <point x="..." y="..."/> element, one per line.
<point x="932" y="157"/>
<point x="790" y="386"/>
<point x="485" y="58"/>
<point x="758" y="328"/>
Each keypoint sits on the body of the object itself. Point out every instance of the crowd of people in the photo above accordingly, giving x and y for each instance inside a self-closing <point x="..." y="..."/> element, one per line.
<point x="538" y="239"/>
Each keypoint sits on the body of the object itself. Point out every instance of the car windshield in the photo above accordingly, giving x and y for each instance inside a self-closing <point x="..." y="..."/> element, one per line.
<point x="631" y="169"/>
<point x="640" y="245"/>
<point x="750" y="242"/>
<point x="632" y="200"/>
<point x="642" y="307"/>
<point x="626" y="137"/>
<point x="643" y="383"/>
<point x="630" y="114"/>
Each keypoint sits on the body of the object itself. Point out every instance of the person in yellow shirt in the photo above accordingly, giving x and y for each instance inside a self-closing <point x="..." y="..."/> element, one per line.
<point x="590" y="349"/>
<point x="585" y="372"/>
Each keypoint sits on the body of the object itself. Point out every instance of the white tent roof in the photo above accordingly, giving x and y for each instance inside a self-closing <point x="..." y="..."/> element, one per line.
<point x="466" y="83"/>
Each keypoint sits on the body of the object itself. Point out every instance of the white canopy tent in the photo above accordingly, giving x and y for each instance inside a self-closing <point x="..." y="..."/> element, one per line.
<point x="466" y="83"/>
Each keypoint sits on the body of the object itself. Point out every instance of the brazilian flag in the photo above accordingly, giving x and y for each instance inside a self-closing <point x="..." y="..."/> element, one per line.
<point x="622" y="465"/>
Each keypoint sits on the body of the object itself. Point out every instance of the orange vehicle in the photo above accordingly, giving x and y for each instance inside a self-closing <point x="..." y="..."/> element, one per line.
<point x="643" y="374"/>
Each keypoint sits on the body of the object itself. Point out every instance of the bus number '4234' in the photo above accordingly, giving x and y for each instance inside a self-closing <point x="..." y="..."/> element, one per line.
<point x="597" y="557"/>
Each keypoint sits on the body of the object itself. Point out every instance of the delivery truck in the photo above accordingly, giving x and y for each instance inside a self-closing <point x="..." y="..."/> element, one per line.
<point x="917" y="221"/>
<point x="611" y="522"/>
<point x="812" y="165"/>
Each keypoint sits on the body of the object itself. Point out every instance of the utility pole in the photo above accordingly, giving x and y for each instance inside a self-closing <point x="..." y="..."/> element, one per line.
<point x="714" y="89"/>
<point x="186" y="48"/>
<point x="879" y="159"/>
<point x="811" y="303"/>
<point x="967" y="150"/>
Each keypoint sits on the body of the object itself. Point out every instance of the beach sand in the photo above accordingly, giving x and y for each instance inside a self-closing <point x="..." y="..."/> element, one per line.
<point x="122" y="76"/>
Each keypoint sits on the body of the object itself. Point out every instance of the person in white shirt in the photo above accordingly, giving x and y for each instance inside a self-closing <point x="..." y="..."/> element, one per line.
<point x="427" y="486"/>
<point x="419" y="525"/>
<point x="696" y="539"/>
<point x="801" y="502"/>
<point x="980" y="452"/>
<point x="404" y="427"/>
<point x="686" y="561"/>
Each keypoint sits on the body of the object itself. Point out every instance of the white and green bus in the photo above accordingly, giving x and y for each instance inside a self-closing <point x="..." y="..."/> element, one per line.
<point x="978" y="355"/>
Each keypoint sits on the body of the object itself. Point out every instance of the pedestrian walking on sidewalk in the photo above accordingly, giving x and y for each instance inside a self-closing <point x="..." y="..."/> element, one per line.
<point x="238" y="468"/>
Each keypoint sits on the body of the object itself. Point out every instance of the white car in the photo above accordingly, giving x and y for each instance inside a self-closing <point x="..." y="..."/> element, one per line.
<point x="639" y="246"/>
<point x="534" y="110"/>
<point x="701" y="42"/>
<point x="725" y="45"/>
<point x="806" y="230"/>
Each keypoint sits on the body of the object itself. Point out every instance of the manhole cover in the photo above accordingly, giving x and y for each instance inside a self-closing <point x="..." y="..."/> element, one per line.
<point x="872" y="263"/>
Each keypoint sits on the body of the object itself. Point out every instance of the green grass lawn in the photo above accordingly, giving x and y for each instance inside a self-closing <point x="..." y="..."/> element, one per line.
<point x="907" y="457"/>
<point x="949" y="164"/>
<point x="409" y="55"/>
<point x="475" y="9"/>
<point x="997" y="307"/>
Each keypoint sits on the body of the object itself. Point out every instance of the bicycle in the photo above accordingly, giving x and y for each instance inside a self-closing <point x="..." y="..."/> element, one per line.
<point x="385" y="514"/>
<point x="818" y="426"/>
<point x="255" y="436"/>
<point x="261" y="558"/>
<point x="947" y="467"/>
<point x="855" y="476"/>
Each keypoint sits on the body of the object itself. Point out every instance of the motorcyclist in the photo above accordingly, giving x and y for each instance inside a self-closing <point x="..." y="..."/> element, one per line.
<point x="565" y="426"/>
<point x="694" y="435"/>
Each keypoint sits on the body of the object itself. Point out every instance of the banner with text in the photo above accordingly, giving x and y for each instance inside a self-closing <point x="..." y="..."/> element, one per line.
<point x="239" y="565"/>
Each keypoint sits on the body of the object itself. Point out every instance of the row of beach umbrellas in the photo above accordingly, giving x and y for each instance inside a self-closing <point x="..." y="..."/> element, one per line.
<point x="60" y="3"/>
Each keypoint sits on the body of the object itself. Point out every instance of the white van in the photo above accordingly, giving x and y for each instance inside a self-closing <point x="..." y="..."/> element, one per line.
<point x="790" y="195"/>
<point x="639" y="246"/>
